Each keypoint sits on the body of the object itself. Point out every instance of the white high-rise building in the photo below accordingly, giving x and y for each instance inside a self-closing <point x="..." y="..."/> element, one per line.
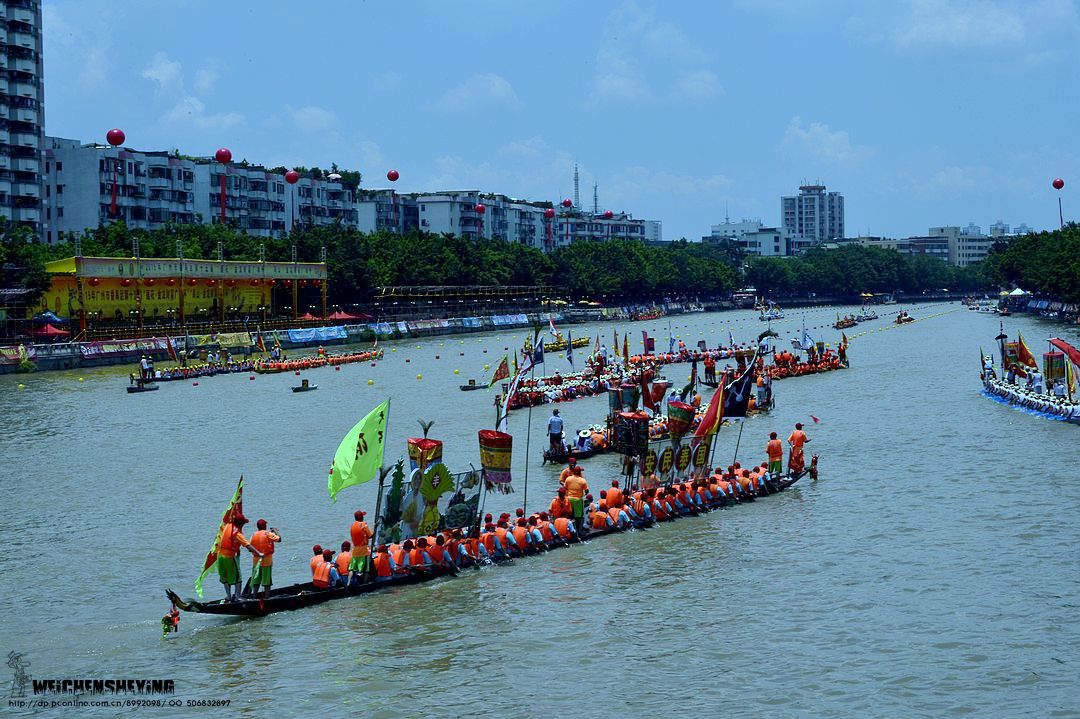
<point x="753" y="237"/>
<point x="22" y="112"/>
<point x="813" y="216"/>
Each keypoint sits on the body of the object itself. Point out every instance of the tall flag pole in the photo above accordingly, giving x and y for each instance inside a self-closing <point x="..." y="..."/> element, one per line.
<point x="235" y="509"/>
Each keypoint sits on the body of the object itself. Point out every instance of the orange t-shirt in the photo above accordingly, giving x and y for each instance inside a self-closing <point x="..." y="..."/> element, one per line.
<point x="576" y="487"/>
<point x="775" y="449"/>
<point x="797" y="438"/>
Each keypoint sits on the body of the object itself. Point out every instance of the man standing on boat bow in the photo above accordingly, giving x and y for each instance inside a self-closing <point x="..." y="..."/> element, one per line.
<point x="227" y="562"/>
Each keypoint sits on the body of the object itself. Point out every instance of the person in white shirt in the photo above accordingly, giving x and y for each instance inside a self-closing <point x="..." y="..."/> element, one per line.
<point x="555" y="430"/>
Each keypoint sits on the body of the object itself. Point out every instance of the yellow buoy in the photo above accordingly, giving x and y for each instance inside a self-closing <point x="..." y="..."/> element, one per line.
<point x="80" y="379"/>
<point x="457" y="371"/>
<point x="393" y="349"/>
<point x="370" y="382"/>
<point x="22" y="386"/>
<point x="487" y="367"/>
<point x="419" y="376"/>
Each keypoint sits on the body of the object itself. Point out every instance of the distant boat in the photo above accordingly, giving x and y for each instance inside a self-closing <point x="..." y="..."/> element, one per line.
<point x="150" y="387"/>
<point x="305" y="386"/>
<point x="472" y="385"/>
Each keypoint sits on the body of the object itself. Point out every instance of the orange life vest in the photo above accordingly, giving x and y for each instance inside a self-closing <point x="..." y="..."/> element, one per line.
<point x="775" y="450"/>
<point x="599" y="520"/>
<point x="615" y="497"/>
<point x="488" y="538"/>
<point x="399" y="558"/>
<point x="562" y="526"/>
<point x="614" y="514"/>
<point x="416" y="557"/>
<point x="261" y="541"/>
<point x="521" y="536"/>
<point x="230" y="543"/>
<point x="321" y="578"/>
<point x="382" y="564"/>
<point x="501" y="533"/>
<point x="343" y="560"/>
<point x="315" y="562"/>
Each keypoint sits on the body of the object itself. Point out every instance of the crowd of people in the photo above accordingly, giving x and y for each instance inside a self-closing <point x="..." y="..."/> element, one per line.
<point x="320" y="359"/>
<point x="788" y="364"/>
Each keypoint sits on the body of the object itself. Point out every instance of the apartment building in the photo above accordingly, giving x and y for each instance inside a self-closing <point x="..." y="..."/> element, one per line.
<point x="753" y="237"/>
<point x="813" y="216"/>
<point x="22" y="112"/>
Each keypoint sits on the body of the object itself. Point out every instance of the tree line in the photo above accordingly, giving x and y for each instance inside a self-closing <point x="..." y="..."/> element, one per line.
<point x="613" y="270"/>
<point x="1044" y="263"/>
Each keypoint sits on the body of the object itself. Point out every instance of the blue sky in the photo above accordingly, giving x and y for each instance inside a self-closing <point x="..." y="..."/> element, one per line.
<point x="921" y="113"/>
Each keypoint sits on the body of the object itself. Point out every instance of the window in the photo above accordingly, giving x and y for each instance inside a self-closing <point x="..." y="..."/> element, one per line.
<point x="59" y="166"/>
<point x="59" y="189"/>
<point x="59" y="211"/>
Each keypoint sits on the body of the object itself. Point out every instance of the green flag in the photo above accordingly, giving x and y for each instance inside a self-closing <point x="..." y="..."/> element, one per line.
<point x="235" y="508"/>
<point x="360" y="454"/>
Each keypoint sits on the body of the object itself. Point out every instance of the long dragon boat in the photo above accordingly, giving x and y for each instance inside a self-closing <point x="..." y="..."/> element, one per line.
<point x="314" y="361"/>
<point x="299" y="596"/>
<point x="1059" y="402"/>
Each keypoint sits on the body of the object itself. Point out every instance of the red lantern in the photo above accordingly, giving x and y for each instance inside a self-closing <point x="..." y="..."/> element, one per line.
<point x="192" y="282"/>
<point x="126" y="282"/>
<point x="223" y="155"/>
<point x="549" y="213"/>
<point x="255" y="283"/>
<point x="230" y="283"/>
<point x="480" y="209"/>
<point x="317" y="283"/>
<point x="171" y="282"/>
<point x="288" y="283"/>
<point x="149" y="282"/>
<point x="567" y="203"/>
<point x="271" y="283"/>
<point x="115" y="137"/>
<point x="292" y="177"/>
<point x="1058" y="183"/>
<point x="211" y="283"/>
<point x="94" y="282"/>
<point x="608" y="214"/>
<point x="392" y="175"/>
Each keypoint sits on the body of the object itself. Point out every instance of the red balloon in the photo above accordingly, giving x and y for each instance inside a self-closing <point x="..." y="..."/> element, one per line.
<point x="392" y="175"/>
<point x="115" y="136"/>
<point x="223" y="155"/>
<point x="1058" y="183"/>
<point x="567" y="203"/>
<point x="608" y="214"/>
<point x="549" y="213"/>
<point x="292" y="176"/>
<point x="480" y="209"/>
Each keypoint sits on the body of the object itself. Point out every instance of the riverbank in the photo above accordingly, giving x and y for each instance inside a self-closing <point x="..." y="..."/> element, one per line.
<point x="73" y="355"/>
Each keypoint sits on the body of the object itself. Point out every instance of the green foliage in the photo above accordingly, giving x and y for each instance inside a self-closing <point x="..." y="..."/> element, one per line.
<point x="1045" y="263"/>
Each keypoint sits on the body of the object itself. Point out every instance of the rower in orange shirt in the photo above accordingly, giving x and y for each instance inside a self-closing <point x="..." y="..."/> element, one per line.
<point x="317" y="559"/>
<point x="775" y="450"/>
<point x="262" y="567"/>
<point x="797" y="439"/>
<point x="361" y="542"/>
<point x="560" y="506"/>
<point x="571" y="468"/>
<point x="227" y="563"/>
<point x="615" y="497"/>
<point x="341" y="562"/>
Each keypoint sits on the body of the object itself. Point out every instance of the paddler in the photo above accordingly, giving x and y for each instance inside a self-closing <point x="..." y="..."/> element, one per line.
<point x="576" y="488"/>
<point x="775" y="450"/>
<point x="262" y="567"/>
<point x="383" y="564"/>
<point x="796" y="441"/>
<point x="227" y="563"/>
<point x="600" y="519"/>
<point x="615" y="497"/>
<point x="560" y="506"/>
<point x="342" y="562"/>
<point x="571" y="467"/>
<point x="317" y="558"/>
<point x="361" y="542"/>
<point x="326" y="574"/>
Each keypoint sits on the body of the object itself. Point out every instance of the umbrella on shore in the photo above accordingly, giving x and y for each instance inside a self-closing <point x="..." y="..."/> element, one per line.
<point x="49" y="332"/>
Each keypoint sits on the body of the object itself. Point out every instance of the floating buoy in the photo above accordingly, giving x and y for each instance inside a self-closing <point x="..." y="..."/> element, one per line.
<point x="372" y="364"/>
<point x="393" y="349"/>
<point x="22" y="386"/>
<point x="251" y="377"/>
<point x="417" y="346"/>
<point x="487" y="367"/>
<point x="436" y="356"/>
<point x="485" y="351"/>
<point x="297" y="373"/>
<point x="193" y="384"/>
<point x="337" y="369"/>
<point x="461" y="353"/>
<point x="457" y="371"/>
<point x="419" y="376"/>
<point x="370" y="382"/>
<point x="80" y="379"/>
<point x="461" y="342"/>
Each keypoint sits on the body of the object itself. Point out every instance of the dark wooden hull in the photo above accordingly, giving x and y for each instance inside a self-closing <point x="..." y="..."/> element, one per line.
<point x="145" y="388"/>
<point x="309" y="388"/>
<point x="299" y="596"/>
<point x="468" y="387"/>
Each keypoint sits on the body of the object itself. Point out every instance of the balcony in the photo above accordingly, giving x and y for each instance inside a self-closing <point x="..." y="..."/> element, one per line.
<point x="158" y="181"/>
<point x="5" y="162"/>
<point x="4" y="87"/>
<point x="24" y="139"/>
<point x="26" y="164"/>
<point x="21" y="14"/>
<point x="23" y="89"/>
<point x="5" y="187"/>
<point x="26" y="65"/>
<point x="22" y="39"/>
<point x="3" y="36"/>
<point x="26" y="214"/>
<point x="25" y="189"/>
<point x="5" y="137"/>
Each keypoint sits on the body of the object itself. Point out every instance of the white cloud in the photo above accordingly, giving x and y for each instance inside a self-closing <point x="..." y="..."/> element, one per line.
<point x="697" y="85"/>
<point x="79" y="44"/>
<point x="313" y="119"/>
<point x="480" y="93"/>
<point x="637" y="182"/>
<point x="168" y="74"/>
<point x="184" y="107"/>
<point x="205" y="79"/>
<point x="531" y="147"/>
<point x="968" y="24"/>
<point x="818" y="140"/>
<point x="638" y="46"/>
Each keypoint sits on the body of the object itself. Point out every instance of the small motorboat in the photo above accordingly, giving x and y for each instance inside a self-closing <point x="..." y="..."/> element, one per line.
<point x="148" y="387"/>
<point x="472" y="385"/>
<point x="305" y="386"/>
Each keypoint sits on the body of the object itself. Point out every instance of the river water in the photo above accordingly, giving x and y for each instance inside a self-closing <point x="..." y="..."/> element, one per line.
<point x="932" y="571"/>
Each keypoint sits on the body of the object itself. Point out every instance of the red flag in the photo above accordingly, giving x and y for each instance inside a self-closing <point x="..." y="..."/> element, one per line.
<point x="169" y="346"/>
<point x="646" y="395"/>
<point x="626" y="348"/>
<point x="816" y="420"/>
<point x="259" y="340"/>
<point x="843" y="337"/>
<point x="713" y="414"/>
<point x="1023" y="353"/>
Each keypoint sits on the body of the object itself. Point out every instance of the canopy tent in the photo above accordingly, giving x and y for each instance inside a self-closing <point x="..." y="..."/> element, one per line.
<point x="342" y="315"/>
<point x="49" y="332"/>
<point x="49" y="317"/>
<point x="1018" y="293"/>
<point x="307" y="316"/>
